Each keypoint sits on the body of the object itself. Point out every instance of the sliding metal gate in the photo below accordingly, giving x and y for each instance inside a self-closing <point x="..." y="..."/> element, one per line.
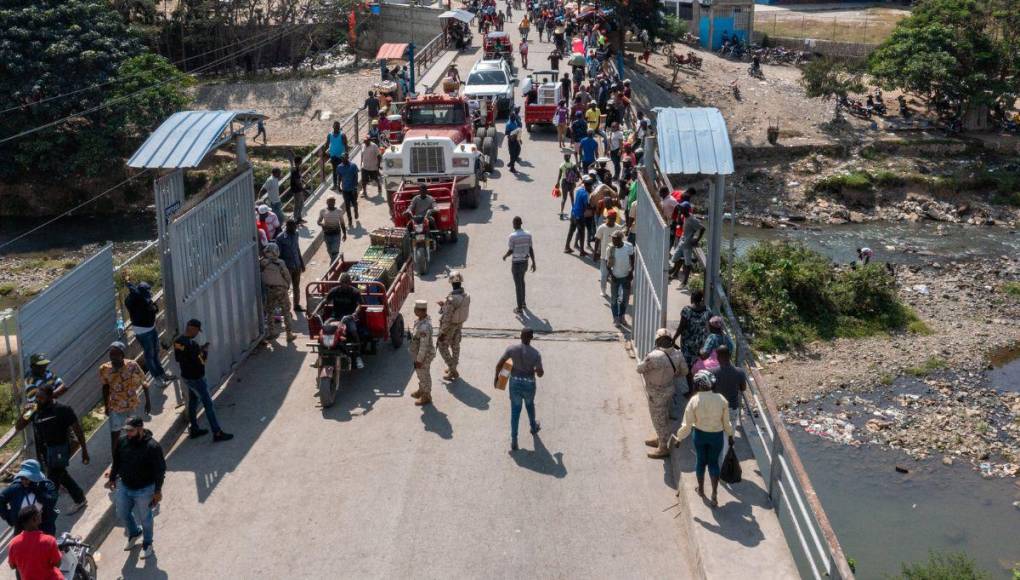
<point x="216" y="277"/>
<point x="650" y="271"/>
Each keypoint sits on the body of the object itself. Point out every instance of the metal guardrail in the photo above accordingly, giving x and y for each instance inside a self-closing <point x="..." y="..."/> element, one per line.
<point x="815" y="541"/>
<point x="424" y="58"/>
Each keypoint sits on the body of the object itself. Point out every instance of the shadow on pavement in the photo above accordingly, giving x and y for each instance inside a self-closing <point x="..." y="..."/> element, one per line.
<point x="242" y="410"/>
<point x="385" y="375"/>
<point x="530" y="320"/>
<point x="540" y="460"/>
<point x="436" y="421"/>
<point x="149" y="571"/>
<point x="468" y="394"/>
<point x="480" y="215"/>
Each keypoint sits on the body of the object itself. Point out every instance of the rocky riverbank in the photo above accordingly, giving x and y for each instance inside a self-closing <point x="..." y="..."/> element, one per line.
<point x="853" y="390"/>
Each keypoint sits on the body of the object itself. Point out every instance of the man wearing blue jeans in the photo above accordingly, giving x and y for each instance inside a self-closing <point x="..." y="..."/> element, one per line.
<point x="136" y="477"/>
<point x="527" y="364"/>
<point x="191" y="352"/>
<point x="142" y="311"/>
<point x="620" y="261"/>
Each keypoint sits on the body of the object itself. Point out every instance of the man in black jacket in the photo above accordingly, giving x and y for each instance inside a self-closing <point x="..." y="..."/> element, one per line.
<point x="137" y="480"/>
<point x="142" y="310"/>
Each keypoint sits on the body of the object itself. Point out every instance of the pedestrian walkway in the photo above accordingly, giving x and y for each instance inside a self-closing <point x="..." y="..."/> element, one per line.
<point x="377" y="487"/>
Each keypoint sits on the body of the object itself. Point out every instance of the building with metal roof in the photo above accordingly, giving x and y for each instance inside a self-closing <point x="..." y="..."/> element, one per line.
<point x="184" y="140"/>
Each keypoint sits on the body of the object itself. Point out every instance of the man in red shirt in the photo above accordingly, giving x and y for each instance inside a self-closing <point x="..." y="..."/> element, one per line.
<point x="32" y="553"/>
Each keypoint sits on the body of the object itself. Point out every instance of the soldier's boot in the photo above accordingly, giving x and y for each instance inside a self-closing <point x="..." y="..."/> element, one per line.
<point x="659" y="453"/>
<point x="416" y="394"/>
<point x="426" y="399"/>
<point x="451" y="374"/>
<point x="653" y="442"/>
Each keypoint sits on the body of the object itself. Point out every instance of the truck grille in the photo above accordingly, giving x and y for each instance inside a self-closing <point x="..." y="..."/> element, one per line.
<point x="427" y="159"/>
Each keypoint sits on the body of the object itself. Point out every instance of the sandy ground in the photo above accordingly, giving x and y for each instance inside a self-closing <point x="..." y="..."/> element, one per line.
<point x="300" y="110"/>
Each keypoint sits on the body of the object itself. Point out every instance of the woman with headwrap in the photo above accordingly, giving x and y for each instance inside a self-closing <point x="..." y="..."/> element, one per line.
<point x="707" y="416"/>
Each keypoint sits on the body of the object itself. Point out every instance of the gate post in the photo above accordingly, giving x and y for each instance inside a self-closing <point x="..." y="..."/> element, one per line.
<point x="712" y="278"/>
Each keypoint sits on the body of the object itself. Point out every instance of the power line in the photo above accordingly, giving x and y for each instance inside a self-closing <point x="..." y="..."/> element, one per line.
<point x="121" y="99"/>
<point x="116" y="80"/>
<point x="72" y="210"/>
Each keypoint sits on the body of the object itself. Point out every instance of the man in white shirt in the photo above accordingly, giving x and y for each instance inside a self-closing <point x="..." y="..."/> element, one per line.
<point x="621" y="265"/>
<point x="520" y="247"/>
<point x="370" y="156"/>
<point x="271" y="189"/>
<point x="603" y="241"/>
<point x="615" y="140"/>
<point x="331" y="218"/>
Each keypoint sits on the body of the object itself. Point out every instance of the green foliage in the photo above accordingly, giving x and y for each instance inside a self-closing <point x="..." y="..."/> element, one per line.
<point x="930" y="365"/>
<point x="673" y="29"/>
<point x="145" y="268"/>
<point x="857" y="180"/>
<point x="828" y="78"/>
<point x="942" y="51"/>
<point x="943" y="566"/>
<point x="1011" y="289"/>
<point x="85" y="48"/>
<point x="791" y="295"/>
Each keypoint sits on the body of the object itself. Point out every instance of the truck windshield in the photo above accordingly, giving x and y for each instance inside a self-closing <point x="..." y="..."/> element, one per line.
<point x="451" y="114"/>
<point x="487" y="77"/>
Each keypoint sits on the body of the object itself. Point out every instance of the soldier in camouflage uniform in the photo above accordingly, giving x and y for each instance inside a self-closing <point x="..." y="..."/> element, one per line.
<point x="423" y="352"/>
<point x="453" y="312"/>
<point x="660" y="369"/>
<point x="276" y="279"/>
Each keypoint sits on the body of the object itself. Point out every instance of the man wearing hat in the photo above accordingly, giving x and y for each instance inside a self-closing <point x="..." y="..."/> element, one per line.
<point x="142" y="311"/>
<point x="136" y="479"/>
<point x="423" y="352"/>
<point x="191" y="352"/>
<point x="39" y="374"/>
<point x="660" y="369"/>
<point x="121" y="379"/>
<point x="453" y="313"/>
<point x="268" y="221"/>
<point x="276" y="279"/>
<point x="52" y="422"/>
<point x="30" y="488"/>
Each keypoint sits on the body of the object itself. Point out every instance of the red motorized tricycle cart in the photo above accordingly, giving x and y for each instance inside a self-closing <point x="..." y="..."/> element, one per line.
<point x="541" y="101"/>
<point x="385" y="280"/>
<point x="497" y="45"/>
<point x="427" y="230"/>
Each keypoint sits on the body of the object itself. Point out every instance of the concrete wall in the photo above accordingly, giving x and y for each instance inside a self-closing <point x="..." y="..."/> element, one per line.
<point x="848" y="50"/>
<point x="400" y="23"/>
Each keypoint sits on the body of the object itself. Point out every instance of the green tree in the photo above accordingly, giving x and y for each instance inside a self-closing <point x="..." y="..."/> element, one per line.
<point x="828" y="78"/>
<point x="84" y="50"/>
<point x="943" y="51"/>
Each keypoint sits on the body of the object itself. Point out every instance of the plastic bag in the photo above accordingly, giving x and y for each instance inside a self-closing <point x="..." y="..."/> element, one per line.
<point x="556" y="191"/>
<point x="730" y="472"/>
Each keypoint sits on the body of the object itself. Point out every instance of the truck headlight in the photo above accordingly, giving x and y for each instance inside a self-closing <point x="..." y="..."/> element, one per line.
<point x="461" y="162"/>
<point x="395" y="163"/>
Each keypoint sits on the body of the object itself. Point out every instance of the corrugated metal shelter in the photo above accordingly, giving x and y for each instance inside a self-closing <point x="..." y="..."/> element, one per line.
<point x="695" y="141"/>
<point x="392" y="51"/>
<point x="183" y="140"/>
<point x="462" y="15"/>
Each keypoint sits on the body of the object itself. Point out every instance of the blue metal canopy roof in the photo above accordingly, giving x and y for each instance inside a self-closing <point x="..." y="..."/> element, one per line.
<point x="693" y="141"/>
<point x="183" y="140"/>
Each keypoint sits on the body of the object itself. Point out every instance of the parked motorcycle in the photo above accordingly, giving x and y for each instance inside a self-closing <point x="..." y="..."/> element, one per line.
<point x="78" y="559"/>
<point x="855" y="107"/>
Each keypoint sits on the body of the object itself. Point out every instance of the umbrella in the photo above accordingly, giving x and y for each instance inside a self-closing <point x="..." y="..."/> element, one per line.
<point x="576" y="59"/>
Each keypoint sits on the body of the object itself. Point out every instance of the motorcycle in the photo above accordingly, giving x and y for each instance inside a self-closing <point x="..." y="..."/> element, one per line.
<point x="855" y="107"/>
<point x="879" y="107"/>
<point x="423" y="241"/>
<point x="78" y="559"/>
<point x="335" y="355"/>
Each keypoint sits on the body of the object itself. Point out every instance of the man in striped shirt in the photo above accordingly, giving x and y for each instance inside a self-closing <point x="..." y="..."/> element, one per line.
<point x="519" y="246"/>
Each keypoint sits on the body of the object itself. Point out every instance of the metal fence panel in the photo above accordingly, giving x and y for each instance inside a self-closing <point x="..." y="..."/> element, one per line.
<point x="216" y="275"/>
<point x="73" y="321"/>
<point x="652" y="245"/>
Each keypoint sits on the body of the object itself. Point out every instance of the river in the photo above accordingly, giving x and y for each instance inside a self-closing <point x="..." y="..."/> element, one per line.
<point x="883" y="517"/>
<point x="73" y="232"/>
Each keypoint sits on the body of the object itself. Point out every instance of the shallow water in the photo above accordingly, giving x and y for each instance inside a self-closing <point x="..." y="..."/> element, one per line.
<point x="1005" y="372"/>
<point x="883" y="517"/>
<point x="911" y="243"/>
<point x="72" y="232"/>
